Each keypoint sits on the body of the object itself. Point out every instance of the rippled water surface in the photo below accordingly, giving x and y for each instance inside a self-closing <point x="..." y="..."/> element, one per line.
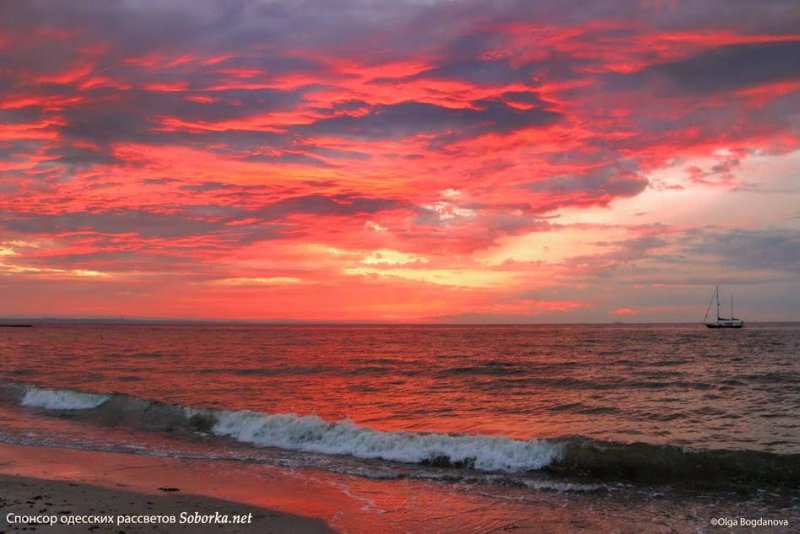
<point x="681" y="385"/>
<point x="620" y="428"/>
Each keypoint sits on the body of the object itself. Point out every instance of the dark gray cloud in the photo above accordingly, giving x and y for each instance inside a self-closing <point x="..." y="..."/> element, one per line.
<point x="621" y="180"/>
<point x="482" y="72"/>
<point x="728" y="68"/>
<point x="770" y="248"/>
<point x="17" y="150"/>
<point x="465" y="27"/>
<point x="275" y="39"/>
<point x="76" y="156"/>
<point x="336" y="153"/>
<point x="414" y="118"/>
<point x="776" y="17"/>
<point x="143" y="28"/>
<point x="115" y="260"/>
<point x="159" y="181"/>
<point x="119" y="221"/>
<point x="135" y="113"/>
<point x="228" y="224"/>
<point x="137" y="117"/>
<point x="524" y="97"/>
<point x="633" y="249"/>
<point x="23" y="115"/>
<point x="345" y="204"/>
<point x="288" y="157"/>
<point x="207" y="186"/>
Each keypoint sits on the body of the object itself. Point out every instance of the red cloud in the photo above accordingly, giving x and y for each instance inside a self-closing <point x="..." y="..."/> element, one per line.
<point x="281" y="160"/>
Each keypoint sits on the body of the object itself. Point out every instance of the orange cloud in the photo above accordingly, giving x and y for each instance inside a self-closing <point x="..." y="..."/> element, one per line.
<point x="513" y="163"/>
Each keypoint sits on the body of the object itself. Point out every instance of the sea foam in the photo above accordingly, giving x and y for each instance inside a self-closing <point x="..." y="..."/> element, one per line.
<point x="570" y="456"/>
<point x="61" y="399"/>
<point x="312" y="434"/>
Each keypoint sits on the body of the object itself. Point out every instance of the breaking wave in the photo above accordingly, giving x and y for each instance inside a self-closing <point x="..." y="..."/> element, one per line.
<point x="575" y="457"/>
<point x="61" y="399"/>
<point x="312" y="434"/>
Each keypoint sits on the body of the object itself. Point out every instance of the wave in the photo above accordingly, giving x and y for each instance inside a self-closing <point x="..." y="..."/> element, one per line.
<point x="61" y="399"/>
<point x="304" y="433"/>
<point x="312" y="434"/>
<point x="649" y="463"/>
<point x="576" y="458"/>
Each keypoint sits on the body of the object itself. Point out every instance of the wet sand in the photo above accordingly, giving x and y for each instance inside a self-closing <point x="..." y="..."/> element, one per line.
<point x="85" y="506"/>
<point x="87" y="486"/>
<point x="79" y="482"/>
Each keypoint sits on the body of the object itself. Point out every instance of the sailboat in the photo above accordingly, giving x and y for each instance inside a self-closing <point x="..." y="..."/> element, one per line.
<point x="722" y="322"/>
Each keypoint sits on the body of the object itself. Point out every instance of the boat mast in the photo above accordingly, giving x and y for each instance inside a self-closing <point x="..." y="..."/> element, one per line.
<point x="708" y="310"/>
<point x="717" y="303"/>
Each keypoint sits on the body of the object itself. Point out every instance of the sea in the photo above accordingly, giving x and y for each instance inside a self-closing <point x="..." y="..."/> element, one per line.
<point x="441" y="428"/>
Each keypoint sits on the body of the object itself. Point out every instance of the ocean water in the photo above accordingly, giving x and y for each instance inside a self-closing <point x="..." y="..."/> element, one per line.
<point x="594" y="416"/>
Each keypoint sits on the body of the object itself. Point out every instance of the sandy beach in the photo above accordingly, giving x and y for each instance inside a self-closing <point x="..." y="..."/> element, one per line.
<point x="82" y="507"/>
<point x="149" y="503"/>
<point x="63" y="482"/>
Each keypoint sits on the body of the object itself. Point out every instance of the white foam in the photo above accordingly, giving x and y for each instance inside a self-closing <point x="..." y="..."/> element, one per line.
<point x="562" y="486"/>
<point x="312" y="434"/>
<point x="61" y="399"/>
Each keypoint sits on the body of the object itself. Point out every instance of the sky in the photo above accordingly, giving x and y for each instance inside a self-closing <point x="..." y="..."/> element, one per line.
<point x="384" y="160"/>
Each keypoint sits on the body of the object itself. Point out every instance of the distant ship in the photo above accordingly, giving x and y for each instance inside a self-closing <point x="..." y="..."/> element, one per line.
<point x="722" y="322"/>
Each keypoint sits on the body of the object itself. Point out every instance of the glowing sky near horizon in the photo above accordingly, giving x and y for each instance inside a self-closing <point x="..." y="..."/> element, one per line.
<point x="385" y="160"/>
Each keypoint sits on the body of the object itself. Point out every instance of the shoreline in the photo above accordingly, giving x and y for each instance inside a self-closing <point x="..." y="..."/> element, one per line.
<point x="94" y="488"/>
<point x="80" y="507"/>
<point x="308" y="500"/>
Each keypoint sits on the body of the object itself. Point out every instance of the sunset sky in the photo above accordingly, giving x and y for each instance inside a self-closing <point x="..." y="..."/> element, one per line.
<point x="400" y="161"/>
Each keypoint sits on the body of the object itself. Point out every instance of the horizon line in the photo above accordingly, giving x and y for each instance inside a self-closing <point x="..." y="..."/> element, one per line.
<point x="311" y="322"/>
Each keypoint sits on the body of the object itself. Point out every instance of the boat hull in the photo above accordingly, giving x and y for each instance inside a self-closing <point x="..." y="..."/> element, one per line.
<point x="725" y="325"/>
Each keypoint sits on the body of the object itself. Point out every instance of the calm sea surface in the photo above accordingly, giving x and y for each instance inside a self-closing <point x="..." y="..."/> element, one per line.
<point x="535" y="407"/>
